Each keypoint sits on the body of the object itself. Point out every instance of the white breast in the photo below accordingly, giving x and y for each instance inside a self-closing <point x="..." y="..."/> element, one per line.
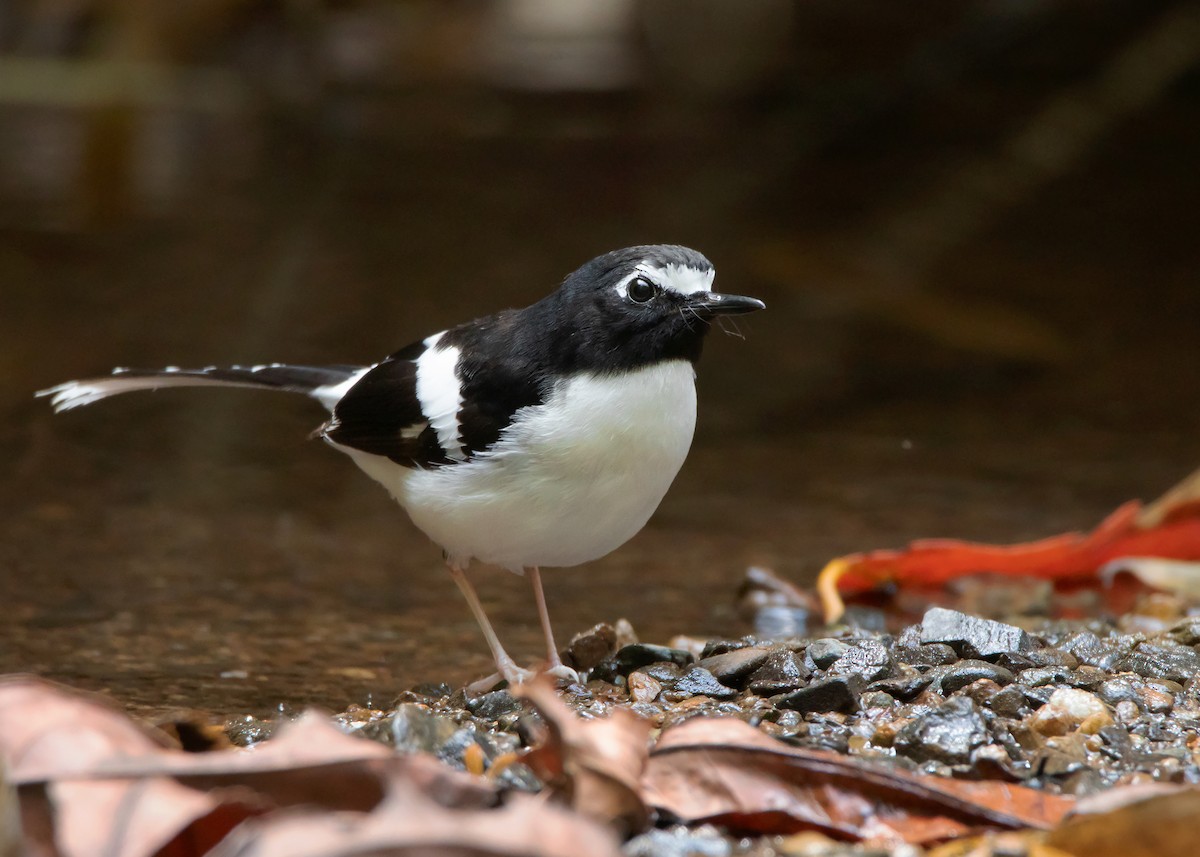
<point x="569" y="481"/>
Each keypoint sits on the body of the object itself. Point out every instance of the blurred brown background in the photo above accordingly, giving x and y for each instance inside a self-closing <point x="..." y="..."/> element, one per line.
<point x="974" y="224"/>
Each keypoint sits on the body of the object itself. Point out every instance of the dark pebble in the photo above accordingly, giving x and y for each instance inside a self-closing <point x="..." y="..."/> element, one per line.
<point x="1091" y="650"/>
<point x="971" y="636"/>
<point x="1118" y="690"/>
<point x="822" y="654"/>
<point x="720" y="647"/>
<point x="831" y="694"/>
<point x="1187" y="632"/>
<point x="868" y="659"/>
<point x="734" y="667"/>
<point x="697" y="681"/>
<point x="494" y="705"/>
<point x="590" y="647"/>
<point x="636" y="655"/>
<point x="931" y="655"/>
<point x="780" y="672"/>
<point x="947" y="734"/>
<point x="1178" y="663"/>
<point x="906" y="684"/>
<point x="1008" y="702"/>
<point x="1041" y="676"/>
<point x="950" y="678"/>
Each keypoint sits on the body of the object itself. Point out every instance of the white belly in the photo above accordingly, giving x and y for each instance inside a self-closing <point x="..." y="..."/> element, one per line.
<point x="568" y="481"/>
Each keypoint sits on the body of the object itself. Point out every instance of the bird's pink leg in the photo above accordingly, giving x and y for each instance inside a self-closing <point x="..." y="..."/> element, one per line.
<point x="507" y="667"/>
<point x="554" y="664"/>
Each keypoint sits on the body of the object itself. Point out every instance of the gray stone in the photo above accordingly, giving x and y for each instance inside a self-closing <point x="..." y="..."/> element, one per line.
<point x="732" y="668"/>
<point x="492" y="706"/>
<point x="906" y="684"/>
<point x="932" y="655"/>
<point x="416" y="729"/>
<point x="947" y="734"/>
<point x="831" y="694"/>
<point x="868" y="659"/>
<point x="781" y="622"/>
<point x="780" y="672"/>
<point x="823" y="653"/>
<point x="697" y="681"/>
<point x="958" y="675"/>
<point x="1178" y="663"/>
<point x="971" y="636"/>
<point x="679" y="842"/>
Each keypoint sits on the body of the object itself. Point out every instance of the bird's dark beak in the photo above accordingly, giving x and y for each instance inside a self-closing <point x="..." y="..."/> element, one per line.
<point x="711" y="303"/>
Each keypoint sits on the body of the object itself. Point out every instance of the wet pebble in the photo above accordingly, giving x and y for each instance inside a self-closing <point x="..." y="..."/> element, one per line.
<point x="588" y="648"/>
<point x="1070" y="709"/>
<point x="704" y="841"/>
<point x="636" y="655"/>
<point x="822" y="654"/>
<point x="416" y="729"/>
<point x="972" y="636"/>
<point x="780" y="672"/>
<point x="1152" y="660"/>
<point x="867" y="659"/>
<point x="494" y="705"/>
<point x="931" y="655"/>
<point x="947" y="734"/>
<point x="643" y="688"/>
<point x="947" y="679"/>
<point x="732" y="668"/>
<point x="831" y="694"/>
<point x="697" y="681"/>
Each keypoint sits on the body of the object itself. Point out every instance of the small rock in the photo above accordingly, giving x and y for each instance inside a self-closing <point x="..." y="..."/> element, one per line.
<point x="1156" y="701"/>
<point x="697" y="681"/>
<point x="1091" y="650"/>
<point x="589" y="648"/>
<point x="780" y="672"/>
<point x="704" y="841"/>
<point x="415" y="729"/>
<point x="637" y="655"/>
<point x="1067" y="710"/>
<point x="876" y="699"/>
<point x="950" y="678"/>
<point x="822" y="654"/>
<point x="492" y="706"/>
<point x="1118" y="690"/>
<point x="1178" y="663"/>
<point x="971" y="636"/>
<point x="869" y="660"/>
<point x="932" y="655"/>
<point x="643" y="687"/>
<point x="832" y="694"/>
<point x="906" y="684"/>
<point x="947" y="734"/>
<point x="1042" y="676"/>
<point x="732" y="668"/>
<point x="1008" y="702"/>
<point x="1187" y="632"/>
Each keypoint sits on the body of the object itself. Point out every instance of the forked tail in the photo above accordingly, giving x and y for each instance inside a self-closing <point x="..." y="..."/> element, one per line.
<point x="326" y="384"/>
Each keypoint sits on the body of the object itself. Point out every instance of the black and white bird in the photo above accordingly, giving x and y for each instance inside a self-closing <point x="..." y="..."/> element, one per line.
<point x="536" y="437"/>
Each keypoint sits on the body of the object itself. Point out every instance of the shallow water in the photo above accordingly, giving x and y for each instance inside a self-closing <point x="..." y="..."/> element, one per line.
<point x="191" y="549"/>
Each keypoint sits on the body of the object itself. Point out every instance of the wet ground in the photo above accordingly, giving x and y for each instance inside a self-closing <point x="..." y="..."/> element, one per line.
<point x="193" y="550"/>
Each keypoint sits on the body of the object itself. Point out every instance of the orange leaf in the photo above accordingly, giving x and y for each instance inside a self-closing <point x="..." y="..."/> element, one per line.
<point x="1169" y="528"/>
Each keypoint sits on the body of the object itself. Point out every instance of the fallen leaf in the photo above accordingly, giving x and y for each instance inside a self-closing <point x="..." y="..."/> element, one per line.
<point x="1174" y="575"/>
<point x="724" y="771"/>
<point x="1168" y="528"/>
<point x="408" y="822"/>
<point x="594" y="766"/>
<point x="1135" y="821"/>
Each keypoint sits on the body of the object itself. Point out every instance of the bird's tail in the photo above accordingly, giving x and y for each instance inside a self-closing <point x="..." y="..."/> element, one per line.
<point x="326" y="384"/>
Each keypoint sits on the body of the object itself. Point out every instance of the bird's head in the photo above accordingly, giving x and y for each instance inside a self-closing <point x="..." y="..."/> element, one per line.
<point x="641" y="305"/>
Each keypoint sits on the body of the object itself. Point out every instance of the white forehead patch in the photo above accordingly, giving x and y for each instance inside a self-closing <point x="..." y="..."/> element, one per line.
<point x="681" y="279"/>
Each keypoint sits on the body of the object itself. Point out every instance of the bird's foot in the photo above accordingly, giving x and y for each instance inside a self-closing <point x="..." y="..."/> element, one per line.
<point x="563" y="672"/>
<point x="515" y="675"/>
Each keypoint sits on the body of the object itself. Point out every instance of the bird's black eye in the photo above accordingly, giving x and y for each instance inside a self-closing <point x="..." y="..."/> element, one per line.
<point x="641" y="290"/>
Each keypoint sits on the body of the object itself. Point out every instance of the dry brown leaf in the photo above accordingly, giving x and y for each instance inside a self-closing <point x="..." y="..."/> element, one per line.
<point x="91" y="781"/>
<point x="594" y="765"/>
<point x="725" y="771"/>
<point x="408" y="822"/>
<point x="1136" y="821"/>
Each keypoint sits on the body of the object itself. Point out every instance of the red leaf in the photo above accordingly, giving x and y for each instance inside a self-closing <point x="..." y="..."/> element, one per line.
<point x="1169" y="528"/>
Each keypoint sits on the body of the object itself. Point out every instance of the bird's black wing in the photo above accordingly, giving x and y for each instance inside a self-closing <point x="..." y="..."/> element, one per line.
<point x="382" y="414"/>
